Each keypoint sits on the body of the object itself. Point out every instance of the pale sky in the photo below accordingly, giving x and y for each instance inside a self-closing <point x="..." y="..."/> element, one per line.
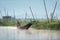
<point x="22" y="6"/>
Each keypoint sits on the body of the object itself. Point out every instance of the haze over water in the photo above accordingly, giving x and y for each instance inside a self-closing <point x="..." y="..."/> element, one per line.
<point x="10" y="33"/>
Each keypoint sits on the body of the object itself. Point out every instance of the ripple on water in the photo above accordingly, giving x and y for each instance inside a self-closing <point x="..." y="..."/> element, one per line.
<point x="13" y="34"/>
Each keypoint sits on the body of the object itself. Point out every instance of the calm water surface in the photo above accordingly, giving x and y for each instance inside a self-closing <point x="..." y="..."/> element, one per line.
<point x="11" y="33"/>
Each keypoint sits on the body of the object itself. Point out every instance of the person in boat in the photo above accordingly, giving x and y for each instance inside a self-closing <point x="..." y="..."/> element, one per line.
<point x="27" y="26"/>
<point x="18" y="24"/>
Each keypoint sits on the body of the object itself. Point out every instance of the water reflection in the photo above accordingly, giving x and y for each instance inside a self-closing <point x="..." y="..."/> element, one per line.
<point x="14" y="34"/>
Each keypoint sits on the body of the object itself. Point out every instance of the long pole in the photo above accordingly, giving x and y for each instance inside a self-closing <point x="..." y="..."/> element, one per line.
<point x="46" y="11"/>
<point x="5" y="11"/>
<point x="32" y="13"/>
<point x="25" y="16"/>
<point x="14" y="13"/>
<point x="53" y="12"/>
<point x="0" y="13"/>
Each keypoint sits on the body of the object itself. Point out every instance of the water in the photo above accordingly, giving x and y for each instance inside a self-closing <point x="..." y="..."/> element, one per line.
<point x="11" y="33"/>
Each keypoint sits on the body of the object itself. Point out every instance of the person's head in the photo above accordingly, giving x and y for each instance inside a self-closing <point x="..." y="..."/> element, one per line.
<point x="18" y="23"/>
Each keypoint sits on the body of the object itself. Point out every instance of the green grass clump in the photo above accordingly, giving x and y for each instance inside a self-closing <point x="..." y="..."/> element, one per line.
<point x="35" y="24"/>
<point x="45" y="25"/>
<point x="7" y="23"/>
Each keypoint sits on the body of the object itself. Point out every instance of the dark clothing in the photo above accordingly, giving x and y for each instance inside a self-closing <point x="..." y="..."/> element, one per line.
<point x="27" y="26"/>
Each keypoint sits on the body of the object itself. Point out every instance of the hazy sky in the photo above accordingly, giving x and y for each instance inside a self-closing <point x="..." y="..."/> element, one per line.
<point x="22" y="6"/>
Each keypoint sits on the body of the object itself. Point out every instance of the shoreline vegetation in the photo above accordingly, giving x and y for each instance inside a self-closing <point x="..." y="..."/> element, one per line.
<point x="55" y="25"/>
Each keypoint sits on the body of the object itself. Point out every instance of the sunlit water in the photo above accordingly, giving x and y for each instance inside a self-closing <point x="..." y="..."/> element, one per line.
<point x="11" y="33"/>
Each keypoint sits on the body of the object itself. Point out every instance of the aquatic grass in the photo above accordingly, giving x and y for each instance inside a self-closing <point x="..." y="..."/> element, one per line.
<point x="36" y="24"/>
